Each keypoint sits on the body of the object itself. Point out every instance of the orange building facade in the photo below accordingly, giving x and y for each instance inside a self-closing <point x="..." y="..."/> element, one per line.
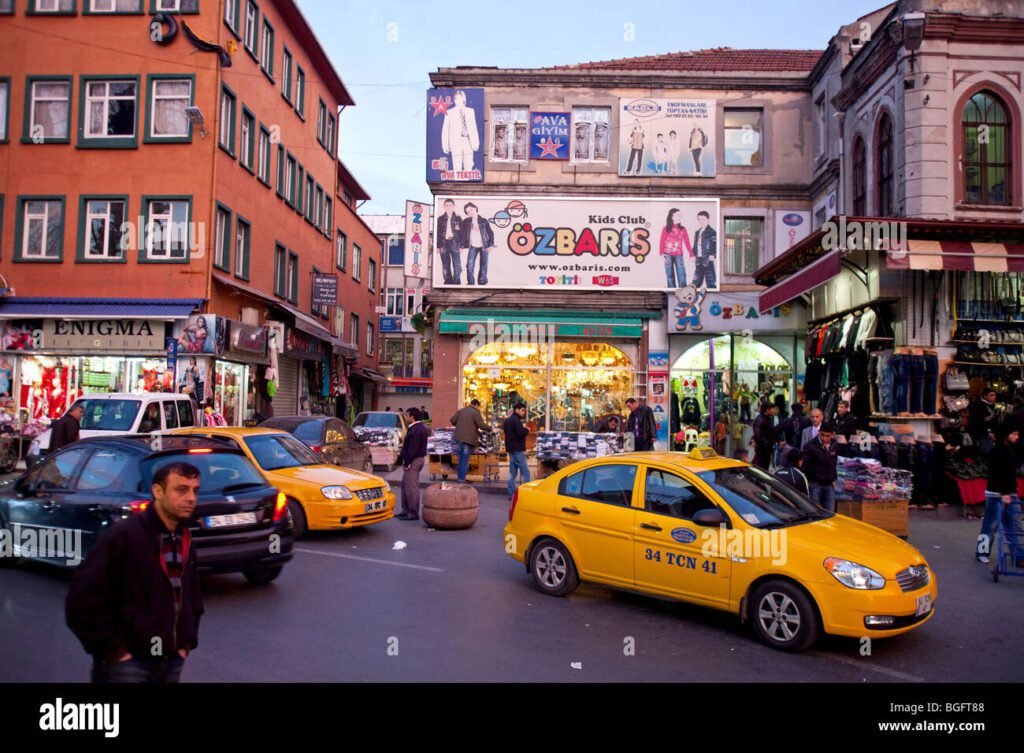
<point x="168" y="190"/>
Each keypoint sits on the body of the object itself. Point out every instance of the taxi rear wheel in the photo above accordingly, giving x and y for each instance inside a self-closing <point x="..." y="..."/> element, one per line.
<point x="552" y="568"/>
<point x="298" y="518"/>
<point x="783" y="616"/>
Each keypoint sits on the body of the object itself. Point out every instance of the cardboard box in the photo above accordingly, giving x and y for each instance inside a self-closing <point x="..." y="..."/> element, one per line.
<point x="892" y="515"/>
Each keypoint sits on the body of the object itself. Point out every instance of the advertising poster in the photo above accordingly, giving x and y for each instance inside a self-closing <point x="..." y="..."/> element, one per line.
<point x="658" y="394"/>
<point x="791" y="227"/>
<point x="588" y="243"/>
<point x="731" y="312"/>
<point x="200" y="335"/>
<point x="417" y="239"/>
<point x="455" y="130"/>
<point x="549" y="135"/>
<point x="667" y="138"/>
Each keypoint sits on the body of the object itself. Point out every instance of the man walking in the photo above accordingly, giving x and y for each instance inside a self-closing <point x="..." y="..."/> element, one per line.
<point x="449" y="230"/>
<point x="478" y="238"/>
<point x="820" y="457"/>
<point x="809" y="434"/>
<point x="135" y="602"/>
<point x="765" y="435"/>
<point x="66" y="429"/>
<point x="642" y="425"/>
<point x="414" y="450"/>
<point x="468" y="423"/>
<point x="515" y="446"/>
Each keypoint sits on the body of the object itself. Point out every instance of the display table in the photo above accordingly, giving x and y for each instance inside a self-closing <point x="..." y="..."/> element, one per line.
<point x="891" y="515"/>
<point x="482" y="466"/>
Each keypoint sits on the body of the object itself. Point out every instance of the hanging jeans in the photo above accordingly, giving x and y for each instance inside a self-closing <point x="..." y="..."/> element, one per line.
<point x="888" y="454"/>
<point x="900" y="368"/>
<point x="917" y="379"/>
<point x="931" y="385"/>
<point x="886" y="384"/>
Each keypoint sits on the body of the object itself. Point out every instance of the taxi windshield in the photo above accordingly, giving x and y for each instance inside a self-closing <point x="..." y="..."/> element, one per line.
<point x="761" y="500"/>
<point x="274" y="452"/>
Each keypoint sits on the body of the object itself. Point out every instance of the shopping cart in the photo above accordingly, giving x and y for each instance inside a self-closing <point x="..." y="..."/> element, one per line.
<point x="1009" y="545"/>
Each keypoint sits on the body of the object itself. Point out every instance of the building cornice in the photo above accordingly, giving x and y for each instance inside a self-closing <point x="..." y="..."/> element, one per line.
<point x="596" y="79"/>
<point x="791" y="192"/>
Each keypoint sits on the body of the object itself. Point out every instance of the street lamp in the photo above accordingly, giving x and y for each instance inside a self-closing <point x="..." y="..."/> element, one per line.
<point x="908" y="31"/>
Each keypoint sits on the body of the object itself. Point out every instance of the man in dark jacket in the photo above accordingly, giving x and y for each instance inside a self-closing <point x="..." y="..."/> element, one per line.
<point x="414" y="450"/>
<point x="846" y="423"/>
<point x="1001" y="498"/>
<point x="468" y="423"/>
<point x="983" y="421"/>
<point x="794" y="425"/>
<point x="765" y="435"/>
<point x="820" y="457"/>
<point x="642" y="425"/>
<point x="791" y="473"/>
<point x="705" y="249"/>
<point x="515" y="446"/>
<point x="135" y="602"/>
<point x="66" y="429"/>
<point x="447" y="239"/>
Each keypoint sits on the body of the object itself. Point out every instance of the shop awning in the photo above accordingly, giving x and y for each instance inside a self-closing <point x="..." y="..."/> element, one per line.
<point x="566" y="323"/>
<point x="98" y="308"/>
<point x="958" y="256"/>
<point x="365" y="373"/>
<point x="818" y="273"/>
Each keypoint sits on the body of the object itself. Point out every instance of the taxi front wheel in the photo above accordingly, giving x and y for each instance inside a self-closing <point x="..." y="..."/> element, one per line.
<point x="552" y="568"/>
<point x="783" y="616"/>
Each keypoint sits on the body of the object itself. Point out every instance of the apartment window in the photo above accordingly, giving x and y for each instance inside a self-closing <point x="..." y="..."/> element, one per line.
<point x="231" y="14"/>
<point x="395" y="301"/>
<point x="396" y="251"/>
<point x="5" y="107"/>
<point x="252" y="21"/>
<point x="289" y="180"/>
<point x="744" y="137"/>
<point x="339" y="322"/>
<point x="169" y="98"/>
<point x="743" y="241"/>
<point x="307" y="207"/>
<point x="41" y="234"/>
<point x="821" y="125"/>
<point x="329" y="143"/>
<point x="263" y="156"/>
<point x="7" y="6"/>
<point x="228" y="120"/>
<point x="327" y="221"/>
<point x="321" y="123"/>
<point x="113" y="6"/>
<point x="300" y="91"/>
<point x="286" y="75"/>
<point x="48" y="111"/>
<point x="988" y="155"/>
<point x="280" y="171"/>
<point x="167" y="229"/>
<point x="109" y="111"/>
<point x="341" y="251"/>
<point x="104" y="224"/>
<point x="426" y="359"/>
<point x="353" y="329"/>
<point x="267" y="49"/>
<point x="371" y="275"/>
<point x="248" y="140"/>
<point x="293" y="277"/>
<point x="510" y="134"/>
<point x="369" y="338"/>
<point x="883" y="166"/>
<point x="51" y="6"/>
<point x="222" y="238"/>
<point x="860" y="178"/>
<point x="280" y="271"/>
<point x="318" y="207"/>
<point x="591" y="134"/>
<point x="243" y="247"/>
<point x="347" y="198"/>
<point x="357" y="262"/>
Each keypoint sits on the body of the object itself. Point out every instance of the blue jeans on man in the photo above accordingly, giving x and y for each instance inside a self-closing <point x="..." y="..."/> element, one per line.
<point x="517" y="462"/>
<point x="465" y="450"/>
<point x="1011" y="525"/>
<point x="451" y="262"/>
<point x="481" y="278"/>
<point x="675" y="272"/>
<point x="823" y="495"/>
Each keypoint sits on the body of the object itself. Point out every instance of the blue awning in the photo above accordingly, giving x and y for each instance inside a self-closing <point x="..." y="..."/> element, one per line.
<point x="98" y="308"/>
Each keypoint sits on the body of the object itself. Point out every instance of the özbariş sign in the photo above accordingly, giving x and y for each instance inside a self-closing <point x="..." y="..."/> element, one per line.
<point x="135" y="336"/>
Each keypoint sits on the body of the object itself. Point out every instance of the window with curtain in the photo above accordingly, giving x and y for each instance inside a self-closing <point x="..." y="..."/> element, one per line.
<point x="171" y="97"/>
<point x="50" y="109"/>
<point x="860" y="178"/>
<point x="987" y="151"/>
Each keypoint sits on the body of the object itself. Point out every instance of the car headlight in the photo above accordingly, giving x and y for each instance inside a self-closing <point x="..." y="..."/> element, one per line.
<point x="336" y="492"/>
<point x="852" y="575"/>
<point x="387" y="487"/>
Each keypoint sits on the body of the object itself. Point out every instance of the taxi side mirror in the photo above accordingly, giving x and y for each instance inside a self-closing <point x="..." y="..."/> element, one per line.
<point x="712" y="518"/>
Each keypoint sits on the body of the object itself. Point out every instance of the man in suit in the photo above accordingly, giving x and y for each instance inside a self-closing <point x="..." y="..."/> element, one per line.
<point x="705" y="249"/>
<point x="478" y="238"/>
<point x="459" y="135"/>
<point x="809" y="434"/>
<point x="449" y="230"/>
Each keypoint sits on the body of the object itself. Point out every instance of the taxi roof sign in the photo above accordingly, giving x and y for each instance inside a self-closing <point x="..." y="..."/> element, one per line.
<point x="702" y="453"/>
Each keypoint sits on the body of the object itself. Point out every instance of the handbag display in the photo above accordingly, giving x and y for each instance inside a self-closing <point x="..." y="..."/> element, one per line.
<point x="956" y="404"/>
<point x="955" y="381"/>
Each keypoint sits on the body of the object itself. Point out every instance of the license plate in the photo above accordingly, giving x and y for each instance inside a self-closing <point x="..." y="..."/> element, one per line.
<point x="374" y="506"/>
<point x="924" y="604"/>
<point x="236" y="519"/>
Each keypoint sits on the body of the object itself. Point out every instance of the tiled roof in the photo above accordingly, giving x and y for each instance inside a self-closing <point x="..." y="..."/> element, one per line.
<point x="717" y="59"/>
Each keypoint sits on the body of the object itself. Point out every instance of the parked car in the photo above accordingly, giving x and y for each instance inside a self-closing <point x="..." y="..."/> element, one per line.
<point x="57" y="510"/>
<point x="124" y="413"/>
<point x="379" y="419"/>
<point x="329" y="437"/>
<point x="320" y="496"/>
<point x="384" y="432"/>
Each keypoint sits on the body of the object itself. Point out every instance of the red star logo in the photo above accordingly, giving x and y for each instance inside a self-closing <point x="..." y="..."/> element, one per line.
<point x="440" y="106"/>
<point x="549" y="147"/>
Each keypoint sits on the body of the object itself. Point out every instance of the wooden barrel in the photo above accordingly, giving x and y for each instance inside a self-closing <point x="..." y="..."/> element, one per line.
<point x="450" y="506"/>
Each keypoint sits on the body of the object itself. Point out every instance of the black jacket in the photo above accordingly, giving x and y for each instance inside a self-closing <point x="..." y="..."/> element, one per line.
<point x="819" y="462"/>
<point x="120" y="597"/>
<point x="442" y="229"/>
<point x="846" y="425"/>
<point x="65" y="431"/>
<point x="765" y="434"/>
<point x="1002" y="469"/>
<point x="793" y="427"/>
<point x="415" y="445"/>
<point x="642" y="424"/>
<point x="982" y="419"/>
<point x="705" y="243"/>
<point x="793" y="477"/>
<point x="515" y="433"/>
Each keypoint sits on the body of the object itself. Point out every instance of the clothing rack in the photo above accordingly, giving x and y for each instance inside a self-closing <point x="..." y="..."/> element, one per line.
<point x="844" y="312"/>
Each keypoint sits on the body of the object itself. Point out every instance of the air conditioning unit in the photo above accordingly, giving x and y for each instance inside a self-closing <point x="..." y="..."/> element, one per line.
<point x="251" y="317"/>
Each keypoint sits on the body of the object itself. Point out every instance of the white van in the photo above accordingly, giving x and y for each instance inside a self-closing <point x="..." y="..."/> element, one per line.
<point x="124" y="413"/>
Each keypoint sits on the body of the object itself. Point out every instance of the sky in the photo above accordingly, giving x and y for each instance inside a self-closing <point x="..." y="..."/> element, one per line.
<point x="385" y="51"/>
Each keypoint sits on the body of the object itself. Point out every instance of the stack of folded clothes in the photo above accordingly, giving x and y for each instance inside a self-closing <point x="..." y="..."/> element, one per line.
<point x="442" y="442"/>
<point x="389" y="437"/>
<point x="865" y="479"/>
<point x="579" y="445"/>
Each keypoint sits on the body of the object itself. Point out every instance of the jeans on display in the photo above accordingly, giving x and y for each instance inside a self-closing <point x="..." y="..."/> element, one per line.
<point x="823" y="495"/>
<point x="886" y="384"/>
<point x="451" y="262"/>
<point x="888" y="454"/>
<point x="923" y="474"/>
<point x="465" y="450"/>
<point x="917" y="379"/>
<point x="931" y="384"/>
<point x="900" y="367"/>
<point x="675" y="271"/>
<point x="517" y="462"/>
<point x="481" y="277"/>
<point x="1011" y="524"/>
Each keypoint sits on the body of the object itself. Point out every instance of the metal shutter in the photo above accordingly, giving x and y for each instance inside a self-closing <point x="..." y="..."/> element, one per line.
<point x="286" y="401"/>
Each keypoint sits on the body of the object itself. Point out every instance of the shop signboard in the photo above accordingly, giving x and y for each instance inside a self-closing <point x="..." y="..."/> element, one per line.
<point x="246" y="338"/>
<point x="133" y="336"/>
<point x="658" y="393"/>
<point x="729" y="312"/>
<point x="577" y="243"/>
<point x="302" y="346"/>
<point x="455" y="129"/>
<point x="390" y="324"/>
<point x="22" y="335"/>
<point x="417" y="239"/>
<point x="671" y="138"/>
<point x="325" y="289"/>
<point x="791" y="227"/>
<point x="549" y="135"/>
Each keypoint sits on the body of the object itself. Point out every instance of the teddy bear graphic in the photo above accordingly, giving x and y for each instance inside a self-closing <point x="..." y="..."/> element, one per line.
<point x="688" y="309"/>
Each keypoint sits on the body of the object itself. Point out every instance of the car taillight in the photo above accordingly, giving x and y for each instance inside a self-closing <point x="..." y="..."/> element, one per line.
<point x="316" y="448"/>
<point x="512" y="507"/>
<point x="137" y="506"/>
<point x="281" y="507"/>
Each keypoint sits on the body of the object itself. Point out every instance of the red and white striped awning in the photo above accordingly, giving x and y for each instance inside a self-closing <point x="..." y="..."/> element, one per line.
<point x="958" y="256"/>
<point x="818" y="273"/>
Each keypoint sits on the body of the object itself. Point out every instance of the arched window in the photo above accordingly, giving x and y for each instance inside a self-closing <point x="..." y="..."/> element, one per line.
<point x="860" y="178"/>
<point x="987" y="156"/>
<point x="884" y="168"/>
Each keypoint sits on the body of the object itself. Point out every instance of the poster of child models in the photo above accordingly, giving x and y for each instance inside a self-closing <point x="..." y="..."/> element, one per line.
<point x="667" y="138"/>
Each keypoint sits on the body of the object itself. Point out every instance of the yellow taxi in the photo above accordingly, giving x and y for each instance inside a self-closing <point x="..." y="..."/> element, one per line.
<point x="719" y="533"/>
<point x="321" y="496"/>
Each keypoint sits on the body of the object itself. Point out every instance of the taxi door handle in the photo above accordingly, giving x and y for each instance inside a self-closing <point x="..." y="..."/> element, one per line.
<point x="571" y="510"/>
<point x="651" y="526"/>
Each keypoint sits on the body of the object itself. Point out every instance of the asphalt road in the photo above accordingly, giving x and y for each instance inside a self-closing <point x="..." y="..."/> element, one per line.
<point x="452" y="606"/>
